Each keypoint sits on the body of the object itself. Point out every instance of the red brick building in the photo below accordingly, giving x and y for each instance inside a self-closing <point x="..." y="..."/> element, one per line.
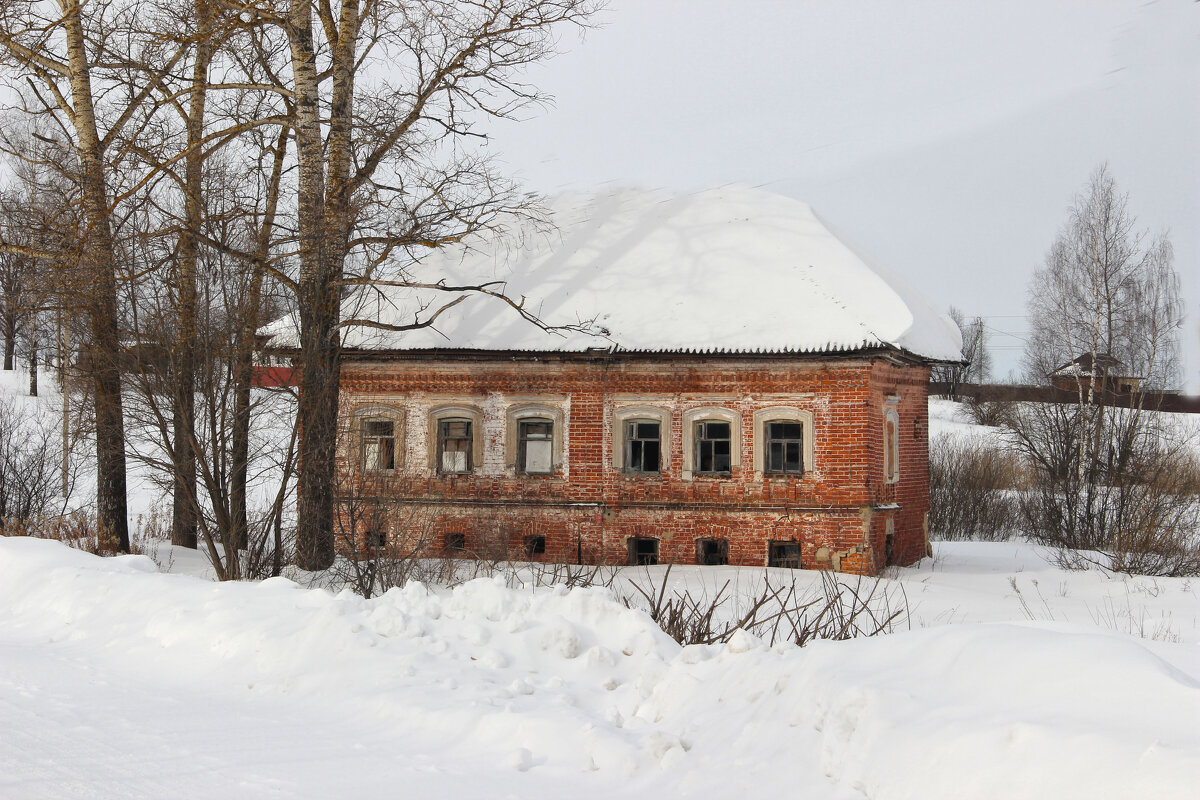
<point x="775" y="414"/>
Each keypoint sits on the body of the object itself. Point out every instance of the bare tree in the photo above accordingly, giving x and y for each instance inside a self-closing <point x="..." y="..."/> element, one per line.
<point x="1115" y="485"/>
<point x="1106" y="289"/>
<point x="60" y="51"/>
<point x="16" y="271"/>
<point x="29" y="466"/>
<point x="386" y="166"/>
<point x="976" y="366"/>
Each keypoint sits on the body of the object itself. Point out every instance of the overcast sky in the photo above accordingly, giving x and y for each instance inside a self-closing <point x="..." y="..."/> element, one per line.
<point x="948" y="139"/>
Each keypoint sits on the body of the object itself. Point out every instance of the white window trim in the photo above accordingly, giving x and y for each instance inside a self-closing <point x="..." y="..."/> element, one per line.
<point x="513" y="417"/>
<point x="782" y="414"/>
<point x="694" y="415"/>
<point x="377" y="413"/>
<point x="627" y="413"/>
<point x="891" y="460"/>
<point x="454" y="411"/>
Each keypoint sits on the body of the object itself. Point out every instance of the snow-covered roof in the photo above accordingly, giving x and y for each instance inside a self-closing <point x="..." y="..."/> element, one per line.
<point x="1082" y="365"/>
<point x="732" y="269"/>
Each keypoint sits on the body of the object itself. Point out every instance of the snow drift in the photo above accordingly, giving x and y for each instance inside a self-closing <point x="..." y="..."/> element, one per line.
<point x="497" y="692"/>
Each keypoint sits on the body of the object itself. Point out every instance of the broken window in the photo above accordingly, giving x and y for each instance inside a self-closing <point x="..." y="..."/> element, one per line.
<point x="378" y="444"/>
<point x="643" y="552"/>
<point x="784" y="554"/>
<point x="642" y="446"/>
<point x="535" y="545"/>
<point x="454" y="446"/>
<point x="535" y="446"/>
<point x="376" y="539"/>
<point x="712" y="447"/>
<point x="456" y="541"/>
<point x="784" y="448"/>
<point x="712" y="552"/>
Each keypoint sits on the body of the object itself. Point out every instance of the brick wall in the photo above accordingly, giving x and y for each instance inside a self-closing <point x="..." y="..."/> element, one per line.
<point x="841" y="511"/>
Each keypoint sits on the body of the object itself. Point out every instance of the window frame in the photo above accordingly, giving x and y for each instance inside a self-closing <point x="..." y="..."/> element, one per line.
<point x="442" y="438"/>
<point x="619" y="451"/>
<point x="807" y="450"/>
<point x="357" y="444"/>
<point x="463" y="411"/>
<point x="701" y="437"/>
<point x="545" y="411"/>
<point x="787" y="442"/>
<point x="694" y="416"/>
<point x="632" y="437"/>
<point x="365" y="439"/>
<point x="523" y="439"/>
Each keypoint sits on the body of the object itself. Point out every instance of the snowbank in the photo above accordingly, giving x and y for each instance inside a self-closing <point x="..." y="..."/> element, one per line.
<point x="194" y="689"/>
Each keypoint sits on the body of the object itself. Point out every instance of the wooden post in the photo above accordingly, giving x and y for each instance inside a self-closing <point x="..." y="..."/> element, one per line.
<point x="66" y="415"/>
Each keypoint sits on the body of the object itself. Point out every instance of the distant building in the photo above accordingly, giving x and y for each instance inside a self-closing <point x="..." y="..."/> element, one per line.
<point x="1103" y="371"/>
<point x="757" y="395"/>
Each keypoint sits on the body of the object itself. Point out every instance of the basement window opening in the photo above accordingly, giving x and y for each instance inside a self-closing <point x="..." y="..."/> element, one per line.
<point x="376" y="539"/>
<point x="456" y="541"/>
<point x="785" y="555"/>
<point x="535" y="545"/>
<point x="643" y="552"/>
<point x="712" y="552"/>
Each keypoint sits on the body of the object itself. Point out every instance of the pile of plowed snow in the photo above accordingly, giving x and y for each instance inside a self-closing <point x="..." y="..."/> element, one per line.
<point x="116" y="680"/>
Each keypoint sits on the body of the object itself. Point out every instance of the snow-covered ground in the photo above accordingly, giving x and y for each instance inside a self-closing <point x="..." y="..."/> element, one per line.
<point x="123" y="678"/>
<point x="1015" y="680"/>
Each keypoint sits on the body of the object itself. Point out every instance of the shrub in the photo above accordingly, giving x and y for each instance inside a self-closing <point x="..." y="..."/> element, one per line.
<point x="30" y="466"/>
<point x="970" y="490"/>
<point x="1116" y="488"/>
<point x="780" y="612"/>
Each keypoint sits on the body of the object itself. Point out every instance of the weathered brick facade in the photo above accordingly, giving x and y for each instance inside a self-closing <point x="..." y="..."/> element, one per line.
<point x="843" y="511"/>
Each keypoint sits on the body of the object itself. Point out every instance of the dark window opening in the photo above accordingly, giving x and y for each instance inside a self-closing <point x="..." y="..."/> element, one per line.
<point x="713" y="448"/>
<point x="535" y="545"/>
<point x="454" y="446"/>
<point x="712" y="552"/>
<point x="376" y="539"/>
<point x="643" y="552"/>
<point x="643" y="446"/>
<point x="456" y="541"/>
<point x="535" y="447"/>
<point x="378" y="444"/>
<point x="784" y="448"/>
<point x="889" y="549"/>
<point x="784" y="554"/>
